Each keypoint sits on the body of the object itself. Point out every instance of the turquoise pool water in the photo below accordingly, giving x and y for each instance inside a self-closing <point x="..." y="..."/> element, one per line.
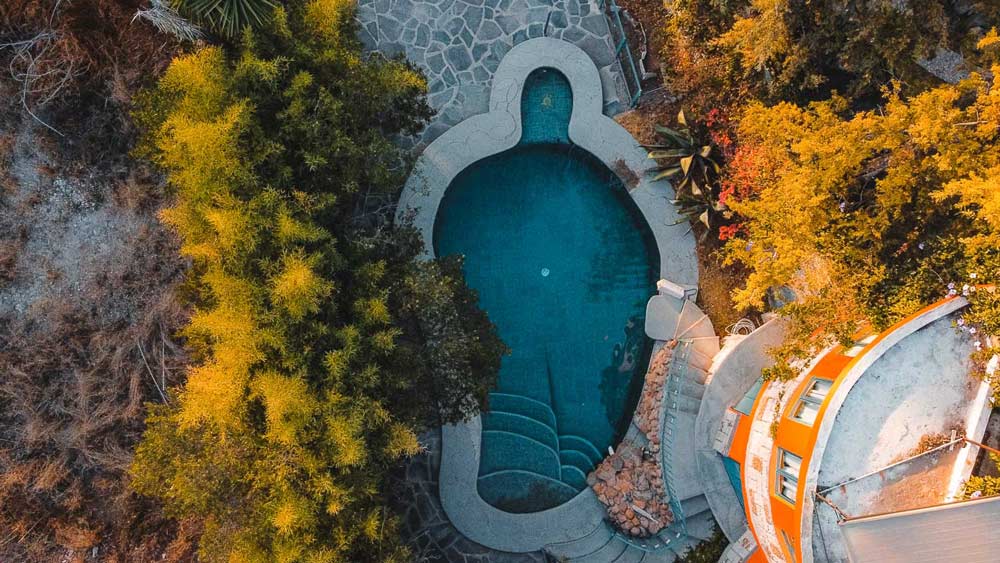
<point x="564" y="264"/>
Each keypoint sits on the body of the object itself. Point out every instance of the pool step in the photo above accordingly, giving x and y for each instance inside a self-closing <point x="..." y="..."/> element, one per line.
<point x="631" y="554"/>
<point x="525" y="406"/>
<point x="610" y="551"/>
<point x="576" y="459"/>
<point x="498" y="488"/>
<point x="582" y="546"/>
<point x="516" y="423"/>
<point x="574" y="477"/>
<point x="580" y="444"/>
<point x="505" y="450"/>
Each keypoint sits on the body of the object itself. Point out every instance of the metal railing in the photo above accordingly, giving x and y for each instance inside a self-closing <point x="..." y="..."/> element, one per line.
<point x="668" y="424"/>
<point x="623" y="51"/>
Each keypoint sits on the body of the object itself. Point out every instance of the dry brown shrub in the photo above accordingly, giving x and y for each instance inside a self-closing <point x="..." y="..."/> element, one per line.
<point x="71" y="410"/>
<point x="68" y="60"/>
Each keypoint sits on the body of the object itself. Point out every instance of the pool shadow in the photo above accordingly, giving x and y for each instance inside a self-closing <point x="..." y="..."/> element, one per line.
<point x="630" y="359"/>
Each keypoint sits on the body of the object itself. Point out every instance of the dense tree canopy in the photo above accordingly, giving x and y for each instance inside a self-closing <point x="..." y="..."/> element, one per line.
<point x="721" y="52"/>
<point x="322" y="344"/>
<point x="869" y="216"/>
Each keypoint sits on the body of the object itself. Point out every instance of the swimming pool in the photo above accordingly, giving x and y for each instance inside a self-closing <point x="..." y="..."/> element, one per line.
<point x="564" y="264"/>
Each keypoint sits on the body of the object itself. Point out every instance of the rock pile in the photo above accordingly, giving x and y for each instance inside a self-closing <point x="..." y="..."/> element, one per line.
<point x="647" y="413"/>
<point x="630" y="481"/>
<point x="630" y="485"/>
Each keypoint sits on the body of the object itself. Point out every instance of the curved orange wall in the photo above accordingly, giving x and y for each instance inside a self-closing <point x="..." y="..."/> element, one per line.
<point x="800" y="439"/>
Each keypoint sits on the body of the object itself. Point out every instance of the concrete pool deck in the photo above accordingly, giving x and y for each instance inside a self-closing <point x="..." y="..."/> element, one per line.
<point x="486" y="134"/>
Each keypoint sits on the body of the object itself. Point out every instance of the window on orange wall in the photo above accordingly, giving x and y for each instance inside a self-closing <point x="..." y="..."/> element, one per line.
<point x="789" y="545"/>
<point x="807" y="408"/>
<point x="787" y="484"/>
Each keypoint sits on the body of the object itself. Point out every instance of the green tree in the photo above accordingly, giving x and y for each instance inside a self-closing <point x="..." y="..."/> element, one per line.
<point x="721" y="52"/>
<point x="313" y="372"/>
<point x="457" y="337"/>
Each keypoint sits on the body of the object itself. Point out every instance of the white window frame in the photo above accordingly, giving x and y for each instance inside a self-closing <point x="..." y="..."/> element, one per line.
<point x="808" y="400"/>
<point x="784" y="475"/>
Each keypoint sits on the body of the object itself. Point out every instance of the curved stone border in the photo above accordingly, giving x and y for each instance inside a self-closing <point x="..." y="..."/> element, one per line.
<point x="479" y="137"/>
<point x="490" y="133"/>
<point x="846" y="382"/>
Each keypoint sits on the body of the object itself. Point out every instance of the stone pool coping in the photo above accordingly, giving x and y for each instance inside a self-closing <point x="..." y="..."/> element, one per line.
<point x="479" y="137"/>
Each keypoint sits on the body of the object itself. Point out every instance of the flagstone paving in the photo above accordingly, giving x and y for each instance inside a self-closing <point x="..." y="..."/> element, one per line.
<point x="424" y="525"/>
<point x="459" y="43"/>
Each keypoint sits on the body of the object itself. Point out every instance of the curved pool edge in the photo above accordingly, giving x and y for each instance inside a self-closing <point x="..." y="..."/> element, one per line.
<point x="483" y="523"/>
<point x="487" y="134"/>
<point x="490" y="133"/>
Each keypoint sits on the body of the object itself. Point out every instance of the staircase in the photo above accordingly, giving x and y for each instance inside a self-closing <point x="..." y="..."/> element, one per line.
<point x="696" y="345"/>
<point x="667" y="318"/>
<point x="546" y="459"/>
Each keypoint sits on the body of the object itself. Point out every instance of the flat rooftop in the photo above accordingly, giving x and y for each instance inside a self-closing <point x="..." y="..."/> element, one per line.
<point x="919" y="391"/>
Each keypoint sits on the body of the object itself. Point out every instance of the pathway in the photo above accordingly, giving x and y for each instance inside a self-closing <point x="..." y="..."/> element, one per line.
<point x="458" y="44"/>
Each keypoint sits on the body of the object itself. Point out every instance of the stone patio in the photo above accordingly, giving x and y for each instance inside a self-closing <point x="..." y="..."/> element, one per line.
<point x="458" y="44"/>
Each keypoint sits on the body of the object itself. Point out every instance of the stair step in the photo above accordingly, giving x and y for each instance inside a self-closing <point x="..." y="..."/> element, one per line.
<point x="695" y="373"/>
<point x="685" y="481"/>
<point x="693" y="323"/>
<point x="706" y="346"/>
<point x="534" y="456"/>
<point x="683" y="403"/>
<point x="701" y="526"/>
<point x="570" y="442"/>
<point x="517" y="423"/>
<point x="509" y="487"/>
<point x="700" y="360"/>
<point x="574" y="477"/>
<point x="631" y="554"/>
<point x="577" y="459"/>
<point x="694" y="506"/>
<point x="589" y="543"/>
<point x="693" y="389"/>
<point x="607" y="553"/>
<point x="525" y="406"/>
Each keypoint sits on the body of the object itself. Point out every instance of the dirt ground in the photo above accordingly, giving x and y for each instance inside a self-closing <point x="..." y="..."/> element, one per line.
<point x="88" y="314"/>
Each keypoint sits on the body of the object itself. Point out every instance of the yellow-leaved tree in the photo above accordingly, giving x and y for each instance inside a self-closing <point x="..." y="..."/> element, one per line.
<point x="310" y="379"/>
<point x="866" y="217"/>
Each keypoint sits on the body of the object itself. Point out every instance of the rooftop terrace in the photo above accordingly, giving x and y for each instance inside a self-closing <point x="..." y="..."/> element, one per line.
<point x="911" y="399"/>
